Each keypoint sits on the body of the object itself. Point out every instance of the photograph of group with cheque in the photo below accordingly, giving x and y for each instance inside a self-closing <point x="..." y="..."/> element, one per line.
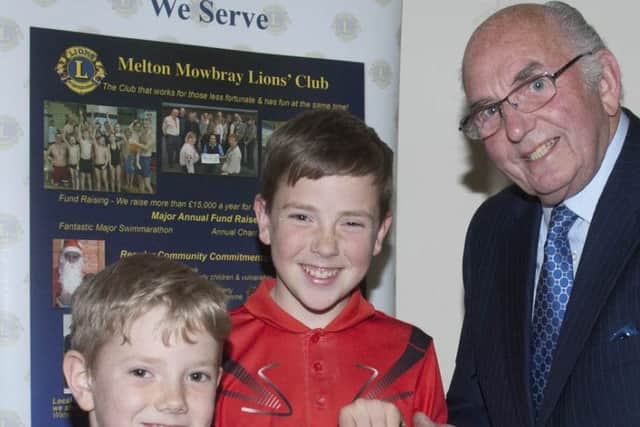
<point x="209" y="141"/>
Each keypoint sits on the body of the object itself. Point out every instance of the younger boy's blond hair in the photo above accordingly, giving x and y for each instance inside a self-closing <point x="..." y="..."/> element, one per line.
<point x="107" y="304"/>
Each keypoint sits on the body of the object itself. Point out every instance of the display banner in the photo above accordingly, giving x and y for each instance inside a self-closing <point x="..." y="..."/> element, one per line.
<point x="151" y="147"/>
<point x="98" y="97"/>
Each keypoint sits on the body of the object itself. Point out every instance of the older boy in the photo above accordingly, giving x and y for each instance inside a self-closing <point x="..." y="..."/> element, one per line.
<point x="146" y="341"/>
<point x="307" y="343"/>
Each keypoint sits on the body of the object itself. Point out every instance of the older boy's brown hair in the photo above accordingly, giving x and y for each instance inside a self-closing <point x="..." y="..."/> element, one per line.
<point x="322" y="143"/>
<point x="106" y="305"/>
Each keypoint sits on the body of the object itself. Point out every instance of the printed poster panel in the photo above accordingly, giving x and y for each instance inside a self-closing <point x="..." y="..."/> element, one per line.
<point x="140" y="146"/>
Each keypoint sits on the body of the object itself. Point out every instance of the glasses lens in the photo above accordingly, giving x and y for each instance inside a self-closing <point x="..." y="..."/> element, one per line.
<point x="533" y="94"/>
<point x="471" y="132"/>
<point x="482" y="123"/>
<point x="527" y="98"/>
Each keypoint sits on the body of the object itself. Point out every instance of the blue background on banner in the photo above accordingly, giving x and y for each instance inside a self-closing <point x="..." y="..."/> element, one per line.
<point x="346" y="87"/>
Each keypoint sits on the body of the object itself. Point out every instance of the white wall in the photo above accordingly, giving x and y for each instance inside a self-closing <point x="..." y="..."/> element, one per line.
<point x="438" y="186"/>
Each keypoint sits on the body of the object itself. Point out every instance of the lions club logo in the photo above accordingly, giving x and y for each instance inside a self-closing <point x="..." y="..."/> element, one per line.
<point x="381" y="73"/>
<point x="10" y="231"/>
<point x="10" y="133"/>
<point x="80" y="69"/>
<point x="10" y="419"/>
<point x="10" y="330"/>
<point x="346" y="26"/>
<point x="278" y="19"/>
<point x="10" y="34"/>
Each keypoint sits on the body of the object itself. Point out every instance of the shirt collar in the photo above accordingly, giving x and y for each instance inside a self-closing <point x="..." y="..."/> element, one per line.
<point x="584" y="203"/>
<point x="262" y="306"/>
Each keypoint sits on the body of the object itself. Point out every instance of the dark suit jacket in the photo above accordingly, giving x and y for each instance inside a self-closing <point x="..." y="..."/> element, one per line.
<point x="595" y="376"/>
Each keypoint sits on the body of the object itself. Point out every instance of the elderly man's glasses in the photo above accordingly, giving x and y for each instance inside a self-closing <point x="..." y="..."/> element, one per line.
<point x="527" y="97"/>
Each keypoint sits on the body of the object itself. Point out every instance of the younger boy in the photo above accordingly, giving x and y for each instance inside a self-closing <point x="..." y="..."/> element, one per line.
<point x="307" y="343"/>
<point x="146" y="342"/>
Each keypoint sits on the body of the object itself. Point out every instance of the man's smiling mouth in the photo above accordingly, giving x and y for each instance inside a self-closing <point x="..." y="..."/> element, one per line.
<point x="543" y="149"/>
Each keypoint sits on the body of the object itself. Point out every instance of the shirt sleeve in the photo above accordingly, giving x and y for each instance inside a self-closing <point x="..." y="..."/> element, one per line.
<point x="429" y="390"/>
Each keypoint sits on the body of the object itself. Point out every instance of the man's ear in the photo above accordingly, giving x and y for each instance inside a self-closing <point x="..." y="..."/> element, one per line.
<point x="78" y="379"/>
<point x="610" y="85"/>
<point x="262" y="217"/>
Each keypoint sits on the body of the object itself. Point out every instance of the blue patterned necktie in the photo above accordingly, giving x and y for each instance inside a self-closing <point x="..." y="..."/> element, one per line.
<point x="552" y="296"/>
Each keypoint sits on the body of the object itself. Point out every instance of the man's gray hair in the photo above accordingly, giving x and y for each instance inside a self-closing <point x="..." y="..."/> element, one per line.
<point x="581" y="36"/>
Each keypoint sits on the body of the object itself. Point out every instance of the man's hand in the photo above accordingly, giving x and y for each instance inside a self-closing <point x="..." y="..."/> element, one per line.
<point x="421" y="420"/>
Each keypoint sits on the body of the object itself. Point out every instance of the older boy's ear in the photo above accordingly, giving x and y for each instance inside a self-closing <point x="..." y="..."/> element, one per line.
<point x="219" y="376"/>
<point x="78" y="379"/>
<point x="382" y="233"/>
<point x="262" y="217"/>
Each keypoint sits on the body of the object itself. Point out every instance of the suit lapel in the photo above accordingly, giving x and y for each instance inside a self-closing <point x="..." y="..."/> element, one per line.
<point x="613" y="233"/>
<point x="517" y="296"/>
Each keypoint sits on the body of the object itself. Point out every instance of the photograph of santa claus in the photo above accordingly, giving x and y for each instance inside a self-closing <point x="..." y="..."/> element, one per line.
<point x="73" y="260"/>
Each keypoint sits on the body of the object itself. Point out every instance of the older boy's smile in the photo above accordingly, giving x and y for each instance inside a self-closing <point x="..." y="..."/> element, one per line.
<point x="164" y="425"/>
<point x="320" y="273"/>
<point x="323" y="234"/>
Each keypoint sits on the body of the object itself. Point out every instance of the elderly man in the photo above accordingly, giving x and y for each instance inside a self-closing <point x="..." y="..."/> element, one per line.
<point x="552" y="263"/>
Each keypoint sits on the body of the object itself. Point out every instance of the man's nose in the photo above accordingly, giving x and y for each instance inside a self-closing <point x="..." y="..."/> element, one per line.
<point x="516" y="123"/>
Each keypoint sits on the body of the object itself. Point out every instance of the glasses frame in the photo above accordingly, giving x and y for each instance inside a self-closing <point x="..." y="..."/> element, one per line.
<point x="498" y="104"/>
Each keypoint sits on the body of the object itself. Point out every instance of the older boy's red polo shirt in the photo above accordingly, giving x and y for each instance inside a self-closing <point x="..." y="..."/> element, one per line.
<point x="278" y="372"/>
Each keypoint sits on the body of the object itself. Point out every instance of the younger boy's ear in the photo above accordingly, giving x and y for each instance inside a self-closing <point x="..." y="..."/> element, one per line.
<point x="262" y="217"/>
<point x="381" y="234"/>
<point x="78" y="379"/>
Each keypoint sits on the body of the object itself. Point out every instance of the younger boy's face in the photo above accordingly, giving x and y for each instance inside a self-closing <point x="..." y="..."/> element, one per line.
<point x="323" y="234"/>
<point x="146" y="383"/>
